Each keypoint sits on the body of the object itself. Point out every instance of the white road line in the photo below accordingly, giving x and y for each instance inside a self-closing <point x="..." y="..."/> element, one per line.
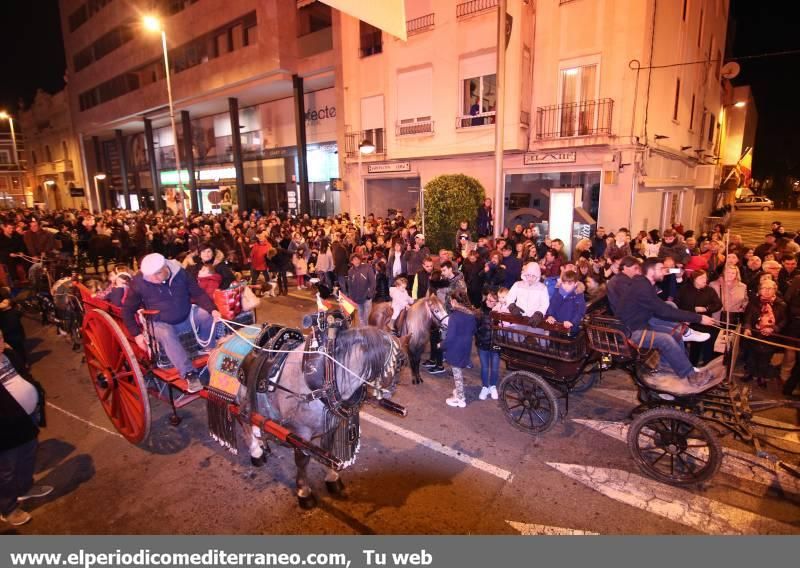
<point x="678" y="505"/>
<point x="760" y="424"/>
<point x="503" y="474"/>
<point x="535" y="530"/>
<point x="79" y="419"/>
<point x="738" y="464"/>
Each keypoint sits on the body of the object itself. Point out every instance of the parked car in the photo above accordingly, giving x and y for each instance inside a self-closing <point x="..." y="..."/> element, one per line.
<point x="755" y="202"/>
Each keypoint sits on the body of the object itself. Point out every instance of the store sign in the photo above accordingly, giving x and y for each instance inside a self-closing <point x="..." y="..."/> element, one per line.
<point x="76" y="192"/>
<point x="171" y="177"/>
<point x="538" y="158"/>
<point x="389" y="167"/>
<point x="215" y="174"/>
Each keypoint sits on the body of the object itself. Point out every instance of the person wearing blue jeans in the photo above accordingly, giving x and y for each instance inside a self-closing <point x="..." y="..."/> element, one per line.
<point x="490" y="359"/>
<point x="163" y="285"/>
<point x="654" y="321"/>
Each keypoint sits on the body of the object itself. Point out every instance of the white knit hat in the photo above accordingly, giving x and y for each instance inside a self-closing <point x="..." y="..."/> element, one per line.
<point x="152" y="263"/>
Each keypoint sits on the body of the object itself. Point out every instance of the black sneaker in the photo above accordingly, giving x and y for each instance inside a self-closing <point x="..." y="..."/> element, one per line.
<point x="193" y="383"/>
<point x="436" y="370"/>
<point x="429" y="363"/>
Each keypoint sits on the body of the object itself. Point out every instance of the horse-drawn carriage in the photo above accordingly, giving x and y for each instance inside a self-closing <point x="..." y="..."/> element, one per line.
<point x="675" y="431"/>
<point x="271" y="381"/>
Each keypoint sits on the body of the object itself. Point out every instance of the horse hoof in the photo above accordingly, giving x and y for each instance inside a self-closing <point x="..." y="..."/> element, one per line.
<point x="335" y="488"/>
<point x="307" y="503"/>
<point x="417" y="381"/>
<point x="260" y="461"/>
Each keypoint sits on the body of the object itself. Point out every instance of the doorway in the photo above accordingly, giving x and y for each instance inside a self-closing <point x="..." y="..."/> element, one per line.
<point x="387" y="196"/>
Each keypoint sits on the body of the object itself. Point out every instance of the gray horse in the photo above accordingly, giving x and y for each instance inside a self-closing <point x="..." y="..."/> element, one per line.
<point x="413" y="325"/>
<point x="370" y="359"/>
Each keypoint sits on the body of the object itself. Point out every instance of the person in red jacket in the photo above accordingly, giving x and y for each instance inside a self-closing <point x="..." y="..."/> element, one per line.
<point x="258" y="259"/>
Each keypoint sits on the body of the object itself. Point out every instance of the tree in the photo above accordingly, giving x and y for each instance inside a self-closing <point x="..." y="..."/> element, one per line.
<point x="450" y="199"/>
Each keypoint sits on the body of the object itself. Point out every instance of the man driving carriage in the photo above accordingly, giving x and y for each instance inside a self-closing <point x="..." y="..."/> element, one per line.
<point x="656" y="324"/>
<point x="163" y="285"/>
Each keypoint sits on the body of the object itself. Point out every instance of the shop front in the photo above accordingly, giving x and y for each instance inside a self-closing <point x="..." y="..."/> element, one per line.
<point x="390" y="187"/>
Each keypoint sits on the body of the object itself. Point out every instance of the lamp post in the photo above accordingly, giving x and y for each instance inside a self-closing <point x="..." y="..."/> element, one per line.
<point x="5" y="116"/>
<point x="365" y="147"/>
<point x="154" y="25"/>
<point x="97" y="177"/>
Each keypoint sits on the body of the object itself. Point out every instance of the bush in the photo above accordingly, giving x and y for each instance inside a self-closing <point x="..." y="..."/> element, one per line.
<point x="450" y="199"/>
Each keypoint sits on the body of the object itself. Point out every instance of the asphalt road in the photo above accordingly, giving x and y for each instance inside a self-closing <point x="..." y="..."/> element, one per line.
<point x="439" y="471"/>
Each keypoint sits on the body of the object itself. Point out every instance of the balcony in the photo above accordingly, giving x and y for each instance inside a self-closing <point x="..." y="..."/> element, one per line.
<point x="315" y="42"/>
<point x="471" y="120"/>
<point x="467" y="9"/>
<point x="353" y="140"/>
<point x="414" y="128"/>
<point x="419" y="25"/>
<point x="53" y="168"/>
<point x="586" y="118"/>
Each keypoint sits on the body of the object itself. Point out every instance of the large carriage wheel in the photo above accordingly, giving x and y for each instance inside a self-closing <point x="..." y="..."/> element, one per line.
<point x="674" y="447"/>
<point x="116" y="376"/>
<point x="528" y="402"/>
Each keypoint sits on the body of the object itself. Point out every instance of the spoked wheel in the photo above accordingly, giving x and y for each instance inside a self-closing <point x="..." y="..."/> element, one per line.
<point x="116" y="376"/>
<point x="528" y="402"/>
<point x="674" y="447"/>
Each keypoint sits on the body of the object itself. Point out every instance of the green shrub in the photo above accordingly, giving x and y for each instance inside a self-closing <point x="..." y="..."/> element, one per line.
<point x="450" y="199"/>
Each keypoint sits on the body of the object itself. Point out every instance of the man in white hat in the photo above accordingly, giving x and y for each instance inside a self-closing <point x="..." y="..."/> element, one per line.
<point x="163" y="285"/>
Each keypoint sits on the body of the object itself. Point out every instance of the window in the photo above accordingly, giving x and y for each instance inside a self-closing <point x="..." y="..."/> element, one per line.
<point x="251" y="35"/>
<point x="691" y="114"/>
<point x="371" y="39"/>
<point x="700" y="29"/>
<point x="578" y="88"/>
<point x="677" y="99"/>
<point x="478" y="90"/>
<point x="415" y="101"/>
<point x="78" y="18"/>
<point x="711" y="124"/>
<point x="313" y="18"/>
<point x="685" y="6"/>
<point x="372" y="121"/>
<point x="5" y="157"/>
<point x="223" y="43"/>
<point x="47" y="153"/>
<point x="703" y="123"/>
<point x="64" y="150"/>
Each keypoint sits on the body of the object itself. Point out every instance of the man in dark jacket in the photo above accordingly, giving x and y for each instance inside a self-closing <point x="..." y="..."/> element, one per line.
<point x="19" y="401"/>
<point x="361" y="287"/>
<point x="599" y="243"/>
<point x="484" y="222"/>
<point x="654" y="322"/>
<point x="513" y="266"/>
<point x="788" y="272"/>
<point x="38" y="241"/>
<point x="340" y="259"/>
<point x="768" y="246"/>
<point x="673" y="247"/>
<point x="11" y="244"/>
<point x="422" y="279"/>
<point x="618" y="285"/>
<point x="164" y="286"/>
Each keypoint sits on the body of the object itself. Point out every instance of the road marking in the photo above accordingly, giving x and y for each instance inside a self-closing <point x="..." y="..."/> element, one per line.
<point x="503" y="474"/>
<point x="534" y="530"/>
<point x="678" y="505"/>
<point x="760" y="425"/>
<point x="79" y="419"/>
<point x="738" y="464"/>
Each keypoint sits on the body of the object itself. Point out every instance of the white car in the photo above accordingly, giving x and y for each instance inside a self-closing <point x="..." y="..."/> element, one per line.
<point x="755" y="202"/>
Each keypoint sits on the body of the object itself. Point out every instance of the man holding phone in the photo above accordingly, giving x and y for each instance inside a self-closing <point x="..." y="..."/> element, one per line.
<point x="651" y="319"/>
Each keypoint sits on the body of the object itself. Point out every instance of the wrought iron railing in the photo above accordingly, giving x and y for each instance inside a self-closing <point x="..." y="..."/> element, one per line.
<point x="473" y="7"/>
<point x="421" y="24"/>
<point x="353" y="140"/>
<point x="585" y="118"/>
<point x="480" y="119"/>
<point x="415" y="128"/>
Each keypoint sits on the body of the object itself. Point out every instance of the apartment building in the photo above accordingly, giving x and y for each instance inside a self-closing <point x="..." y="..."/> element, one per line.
<point x="612" y="108"/>
<point x="234" y="67"/>
<point x="15" y="189"/>
<point x="52" y="152"/>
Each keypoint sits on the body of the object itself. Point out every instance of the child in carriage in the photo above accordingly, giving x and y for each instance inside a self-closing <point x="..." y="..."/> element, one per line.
<point x="567" y="305"/>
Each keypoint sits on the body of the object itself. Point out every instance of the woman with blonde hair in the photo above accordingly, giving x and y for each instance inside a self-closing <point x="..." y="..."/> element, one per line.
<point x="582" y="250"/>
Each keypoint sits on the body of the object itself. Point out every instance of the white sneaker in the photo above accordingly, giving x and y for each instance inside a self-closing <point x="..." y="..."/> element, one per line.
<point x="698" y="336"/>
<point x="484" y="393"/>
<point x="456" y="402"/>
<point x="16" y="517"/>
<point x="493" y="392"/>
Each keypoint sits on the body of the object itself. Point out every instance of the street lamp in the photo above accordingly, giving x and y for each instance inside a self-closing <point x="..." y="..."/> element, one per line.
<point x="740" y="104"/>
<point x="365" y="148"/>
<point x="98" y="177"/>
<point x="153" y="24"/>
<point x="5" y="116"/>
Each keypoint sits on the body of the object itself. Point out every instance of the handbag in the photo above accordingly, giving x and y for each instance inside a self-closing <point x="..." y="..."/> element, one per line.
<point x="249" y="299"/>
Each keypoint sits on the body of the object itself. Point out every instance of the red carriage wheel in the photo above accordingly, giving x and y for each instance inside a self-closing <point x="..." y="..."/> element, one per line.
<point x="116" y="376"/>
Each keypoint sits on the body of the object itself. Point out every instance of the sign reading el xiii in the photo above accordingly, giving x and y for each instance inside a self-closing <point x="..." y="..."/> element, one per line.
<point x="550" y="158"/>
<point x="389" y="167"/>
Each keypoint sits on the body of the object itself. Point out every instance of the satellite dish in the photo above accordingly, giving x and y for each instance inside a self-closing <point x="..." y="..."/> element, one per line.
<point x="730" y="70"/>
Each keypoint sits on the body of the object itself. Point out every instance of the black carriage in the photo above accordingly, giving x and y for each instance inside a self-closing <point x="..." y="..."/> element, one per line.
<point x="545" y="364"/>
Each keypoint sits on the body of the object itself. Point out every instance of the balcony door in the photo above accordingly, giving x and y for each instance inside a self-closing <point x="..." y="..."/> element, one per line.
<point x="578" y="95"/>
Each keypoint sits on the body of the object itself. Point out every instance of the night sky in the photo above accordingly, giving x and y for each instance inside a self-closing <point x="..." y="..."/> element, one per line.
<point x="33" y="57"/>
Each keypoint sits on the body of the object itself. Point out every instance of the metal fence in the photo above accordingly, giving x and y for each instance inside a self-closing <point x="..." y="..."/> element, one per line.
<point x="585" y="118"/>
<point x="473" y="7"/>
<point x="421" y="24"/>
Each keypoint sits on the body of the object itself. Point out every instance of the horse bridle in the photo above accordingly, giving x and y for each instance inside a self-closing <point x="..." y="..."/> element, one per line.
<point x="439" y="320"/>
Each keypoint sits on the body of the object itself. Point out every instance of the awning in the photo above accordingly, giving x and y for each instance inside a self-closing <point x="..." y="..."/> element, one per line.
<point x="388" y="15"/>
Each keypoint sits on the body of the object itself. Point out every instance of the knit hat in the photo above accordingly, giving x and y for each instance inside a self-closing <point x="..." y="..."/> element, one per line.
<point x="152" y="263"/>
